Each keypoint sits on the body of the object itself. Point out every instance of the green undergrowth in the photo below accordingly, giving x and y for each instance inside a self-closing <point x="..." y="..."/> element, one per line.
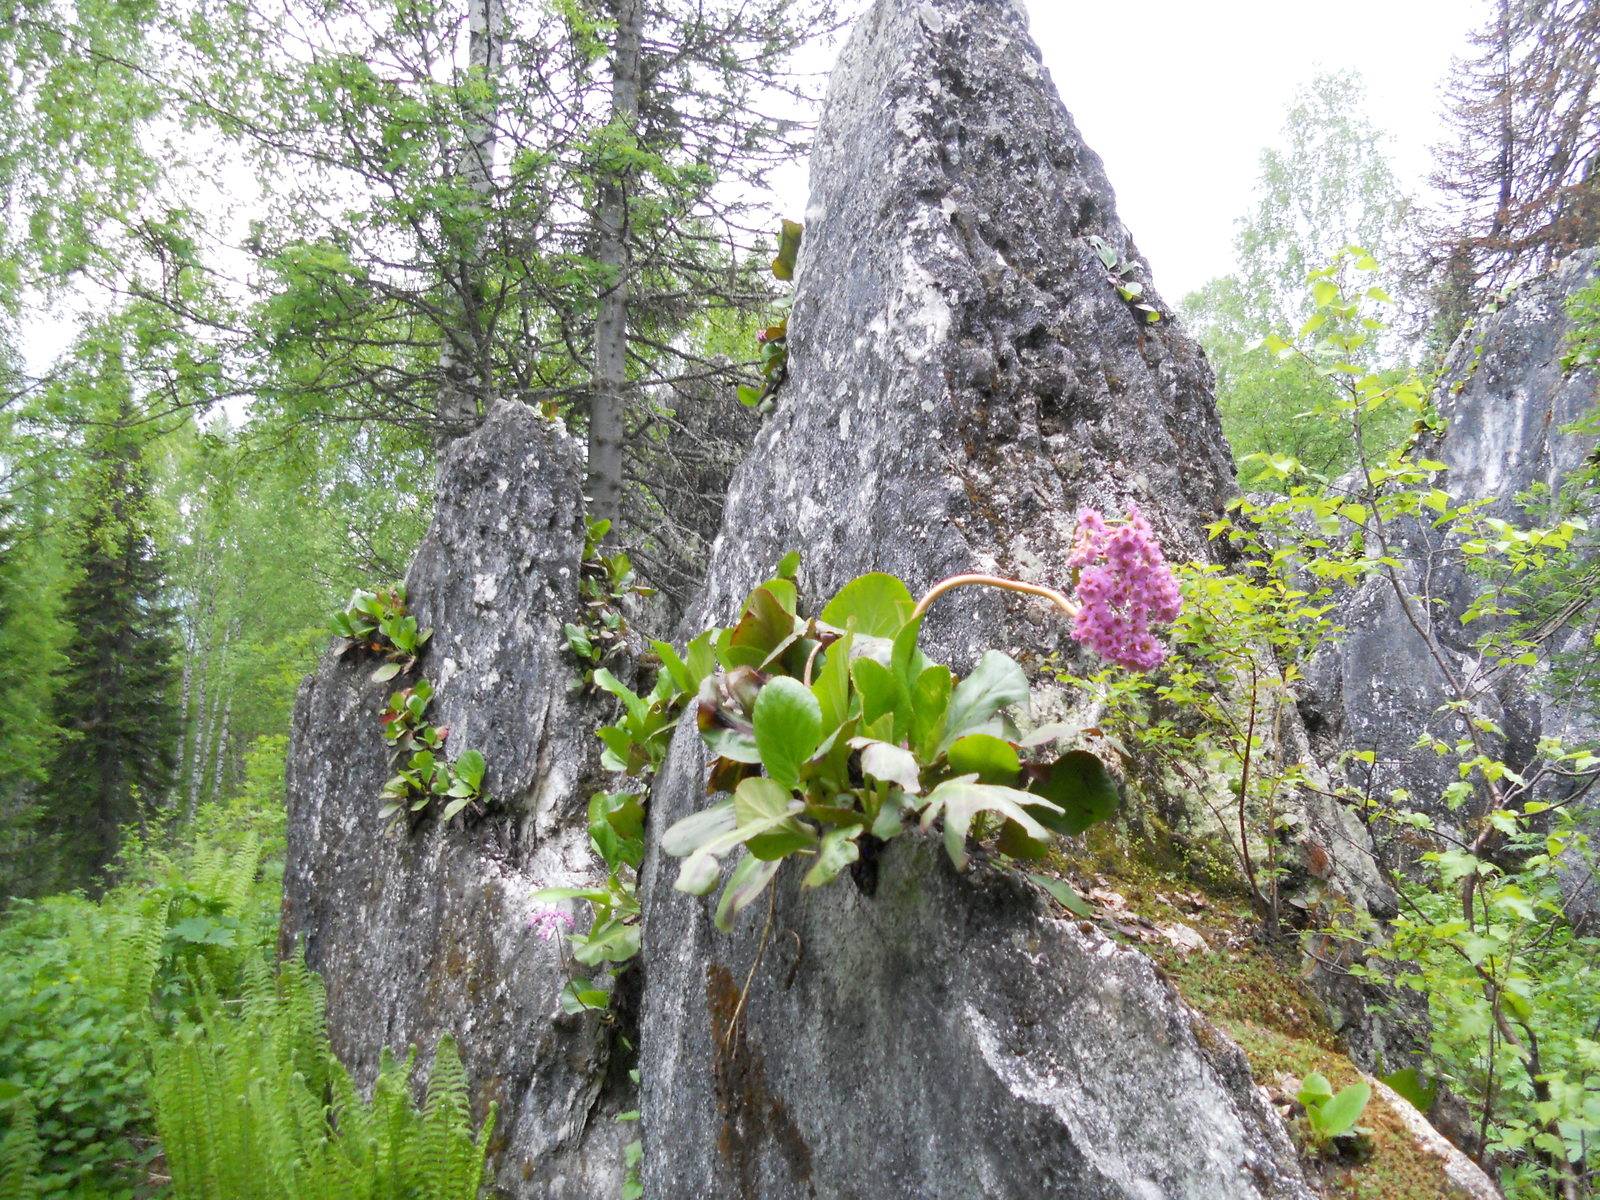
<point x="86" y="984"/>
<point x="1144" y="883"/>
<point x="152" y="1047"/>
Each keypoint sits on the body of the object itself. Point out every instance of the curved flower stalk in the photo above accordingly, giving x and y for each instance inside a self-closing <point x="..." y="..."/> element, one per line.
<point x="1123" y="585"/>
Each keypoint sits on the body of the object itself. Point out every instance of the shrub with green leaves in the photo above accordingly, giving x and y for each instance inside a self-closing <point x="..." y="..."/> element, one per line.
<point x="1485" y="929"/>
<point x="422" y="774"/>
<point x="85" y="986"/>
<point x="1583" y="344"/>
<point x="605" y="581"/>
<point x="836" y="732"/>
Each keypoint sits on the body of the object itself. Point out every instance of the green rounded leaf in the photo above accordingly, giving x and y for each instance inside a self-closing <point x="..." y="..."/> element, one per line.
<point x="991" y="759"/>
<point x="876" y="686"/>
<point x="889" y="764"/>
<point x="788" y="728"/>
<point x="1340" y="1114"/>
<point x="749" y="880"/>
<point x="470" y="767"/>
<point x="996" y="682"/>
<point x="697" y="829"/>
<point x="879" y="604"/>
<point x="789" y="239"/>
<point x="839" y="850"/>
<point x="765" y="808"/>
<point x="1079" y="784"/>
<point x="699" y="874"/>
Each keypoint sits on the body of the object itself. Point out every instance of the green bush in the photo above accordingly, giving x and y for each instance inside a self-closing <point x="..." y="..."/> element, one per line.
<point x="85" y="985"/>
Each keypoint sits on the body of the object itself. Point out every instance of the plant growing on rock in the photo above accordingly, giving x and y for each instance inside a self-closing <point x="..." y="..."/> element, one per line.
<point x="1119" y="274"/>
<point x="378" y="623"/>
<point x="616" y="834"/>
<point x="834" y="734"/>
<point x="416" y="755"/>
<point x="773" y="341"/>
<point x="1332" y="1116"/>
<point x="605" y="581"/>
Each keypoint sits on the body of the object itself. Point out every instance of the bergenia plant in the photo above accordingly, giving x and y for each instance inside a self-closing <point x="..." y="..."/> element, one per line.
<point x="377" y="623"/>
<point x="835" y="733"/>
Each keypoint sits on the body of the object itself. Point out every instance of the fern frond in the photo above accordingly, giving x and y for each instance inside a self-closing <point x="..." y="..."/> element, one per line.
<point x="22" y="1154"/>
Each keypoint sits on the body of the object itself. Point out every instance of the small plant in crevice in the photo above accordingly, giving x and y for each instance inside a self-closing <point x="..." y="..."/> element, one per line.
<point x="605" y="581"/>
<point x="773" y="341"/>
<point x="1330" y="1127"/>
<point x="616" y="834"/>
<point x="422" y="775"/>
<point x="1119" y="274"/>
<point x="1583" y="341"/>
<point x="378" y="623"/>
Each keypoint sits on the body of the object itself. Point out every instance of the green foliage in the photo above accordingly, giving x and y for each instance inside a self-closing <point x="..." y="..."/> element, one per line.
<point x="858" y="735"/>
<point x="1327" y="184"/>
<point x="31" y="643"/>
<point x="1583" y="343"/>
<point x="605" y="581"/>
<point x="422" y="775"/>
<point x="117" y="702"/>
<point x="84" y="987"/>
<point x="1331" y="1116"/>
<point x="1210" y="722"/>
<point x="250" y="1102"/>
<point x="1484" y="931"/>
<point x="773" y="341"/>
<point x="1119" y="274"/>
<point x="616" y="834"/>
<point x="377" y="622"/>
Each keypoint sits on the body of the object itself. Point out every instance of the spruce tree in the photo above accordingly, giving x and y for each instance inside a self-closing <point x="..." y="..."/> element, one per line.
<point x="117" y="702"/>
<point x="1521" y="178"/>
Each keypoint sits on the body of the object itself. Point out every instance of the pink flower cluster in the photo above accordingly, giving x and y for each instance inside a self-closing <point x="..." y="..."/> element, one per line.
<point x="547" y="922"/>
<point x="1124" y="583"/>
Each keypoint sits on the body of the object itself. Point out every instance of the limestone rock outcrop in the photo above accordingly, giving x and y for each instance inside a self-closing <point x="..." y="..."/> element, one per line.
<point x="423" y="933"/>
<point x="963" y="377"/>
<point x="1507" y="402"/>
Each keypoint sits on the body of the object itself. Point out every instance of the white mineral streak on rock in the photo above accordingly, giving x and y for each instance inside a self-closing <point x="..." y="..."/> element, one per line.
<point x="1126" y="1141"/>
<point x="1458" y="1168"/>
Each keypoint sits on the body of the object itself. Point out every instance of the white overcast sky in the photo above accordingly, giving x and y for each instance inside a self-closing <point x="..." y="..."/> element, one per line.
<point x="1179" y="97"/>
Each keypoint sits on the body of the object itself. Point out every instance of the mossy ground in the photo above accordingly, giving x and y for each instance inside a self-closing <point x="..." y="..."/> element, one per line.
<point x="1252" y="992"/>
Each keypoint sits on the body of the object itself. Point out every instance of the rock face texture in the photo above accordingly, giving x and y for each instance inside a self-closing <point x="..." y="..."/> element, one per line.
<point x="963" y="377"/>
<point x="424" y="933"/>
<point x="963" y="374"/>
<point x="1506" y="400"/>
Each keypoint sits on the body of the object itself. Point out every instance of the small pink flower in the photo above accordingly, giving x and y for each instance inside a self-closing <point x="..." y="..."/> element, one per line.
<point x="547" y="922"/>
<point x="1124" y="583"/>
